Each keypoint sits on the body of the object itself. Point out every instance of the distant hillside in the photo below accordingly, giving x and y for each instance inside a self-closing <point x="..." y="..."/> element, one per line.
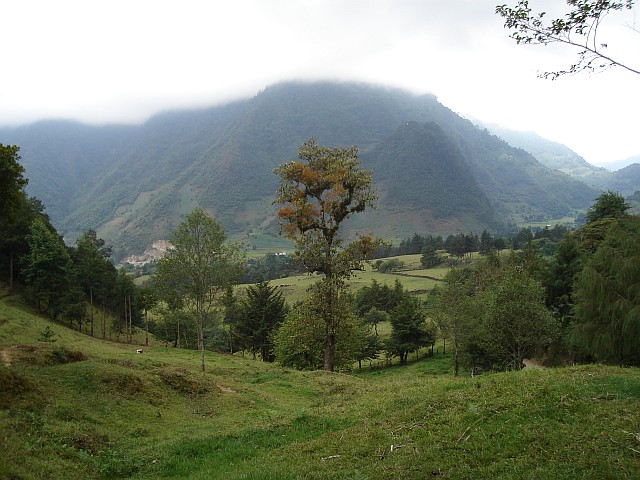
<point x="62" y="157"/>
<point x="619" y="164"/>
<point x="436" y="172"/>
<point x="626" y="180"/>
<point x="622" y="176"/>
<point x="551" y="154"/>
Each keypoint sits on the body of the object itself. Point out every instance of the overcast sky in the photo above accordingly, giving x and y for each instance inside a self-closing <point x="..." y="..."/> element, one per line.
<point x="124" y="60"/>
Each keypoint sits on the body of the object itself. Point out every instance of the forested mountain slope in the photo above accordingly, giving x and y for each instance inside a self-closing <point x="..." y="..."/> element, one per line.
<point x="436" y="172"/>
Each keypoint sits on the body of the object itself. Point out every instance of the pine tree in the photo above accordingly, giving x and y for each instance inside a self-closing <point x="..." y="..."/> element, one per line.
<point x="47" y="268"/>
<point x="263" y="310"/>
<point x="607" y="297"/>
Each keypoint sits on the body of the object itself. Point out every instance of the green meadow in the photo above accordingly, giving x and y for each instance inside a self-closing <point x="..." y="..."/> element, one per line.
<point x="82" y="408"/>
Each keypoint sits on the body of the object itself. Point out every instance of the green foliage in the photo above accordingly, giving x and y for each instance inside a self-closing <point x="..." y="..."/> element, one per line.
<point x="515" y="323"/>
<point x="300" y="340"/>
<point x="392" y="265"/>
<point x="93" y="269"/>
<point x="47" y="268"/>
<point x="13" y="236"/>
<point x="607" y="293"/>
<point x="563" y="269"/>
<point x="608" y="205"/>
<point x="12" y="182"/>
<point x="199" y="269"/>
<point x="262" y="311"/>
<point x="382" y="297"/>
<point x="269" y="267"/>
<point x="461" y="245"/>
<point x="494" y="314"/>
<point x="47" y="335"/>
<point x="409" y="331"/>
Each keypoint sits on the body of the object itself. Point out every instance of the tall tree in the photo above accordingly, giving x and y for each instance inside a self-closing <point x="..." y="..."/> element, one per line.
<point x="12" y="182"/>
<point x="199" y="268"/>
<point x="515" y="321"/>
<point x="263" y="310"/>
<point x="561" y="275"/>
<point x="147" y="299"/>
<point x="90" y="256"/>
<point x="47" y="268"/>
<point x="607" y="297"/>
<point x="124" y="303"/>
<point x="430" y="257"/>
<point x="299" y="342"/>
<point x="409" y="331"/>
<point x="579" y="28"/>
<point x="494" y="314"/>
<point x="317" y="194"/>
<point x="14" y="231"/>
<point x="456" y="315"/>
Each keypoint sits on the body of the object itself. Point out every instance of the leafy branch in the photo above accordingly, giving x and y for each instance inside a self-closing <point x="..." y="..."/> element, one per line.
<point x="578" y="28"/>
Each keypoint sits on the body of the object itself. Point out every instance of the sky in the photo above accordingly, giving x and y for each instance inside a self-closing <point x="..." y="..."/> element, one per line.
<point x="121" y="61"/>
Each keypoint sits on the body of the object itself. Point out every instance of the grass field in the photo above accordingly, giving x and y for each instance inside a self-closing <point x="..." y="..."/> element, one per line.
<point x="413" y="277"/>
<point x="80" y="408"/>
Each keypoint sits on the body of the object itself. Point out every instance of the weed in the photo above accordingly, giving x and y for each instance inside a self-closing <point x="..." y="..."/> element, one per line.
<point x="47" y="335"/>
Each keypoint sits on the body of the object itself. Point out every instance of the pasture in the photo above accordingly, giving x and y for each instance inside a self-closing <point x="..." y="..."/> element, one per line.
<point x="80" y="407"/>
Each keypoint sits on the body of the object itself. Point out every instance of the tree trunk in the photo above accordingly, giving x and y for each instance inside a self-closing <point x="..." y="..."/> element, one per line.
<point x="329" y="352"/>
<point x="91" y="306"/>
<point x="10" y="269"/>
<point x="104" y="319"/>
<point x="130" y="321"/>
<point x="201" y="337"/>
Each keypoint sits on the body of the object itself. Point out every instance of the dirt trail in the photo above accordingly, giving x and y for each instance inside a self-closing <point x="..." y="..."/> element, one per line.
<point x="6" y="357"/>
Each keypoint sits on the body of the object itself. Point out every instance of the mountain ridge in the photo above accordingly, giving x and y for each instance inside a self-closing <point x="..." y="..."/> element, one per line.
<point x="222" y="159"/>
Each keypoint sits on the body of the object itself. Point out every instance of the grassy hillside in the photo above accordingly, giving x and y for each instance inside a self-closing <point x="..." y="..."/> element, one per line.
<point x="83" y="408"/>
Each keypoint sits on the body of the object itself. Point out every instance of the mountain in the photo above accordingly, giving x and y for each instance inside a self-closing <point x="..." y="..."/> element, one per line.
<point x="61" y="156"/>
<point x="551" y="154"/>
<point x="619" y="164"/>
<point x="625" y="177"/>
<point x="435" y="171"/>
<point x="626" y="181"/>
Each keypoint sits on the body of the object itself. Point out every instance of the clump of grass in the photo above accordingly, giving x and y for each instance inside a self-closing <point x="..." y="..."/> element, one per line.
<point x="13" y="386"/>
<point x="183" y="381"/>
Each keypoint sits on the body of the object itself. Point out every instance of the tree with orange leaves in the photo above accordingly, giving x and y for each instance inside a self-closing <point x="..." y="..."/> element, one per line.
<point x="317" y="194"/>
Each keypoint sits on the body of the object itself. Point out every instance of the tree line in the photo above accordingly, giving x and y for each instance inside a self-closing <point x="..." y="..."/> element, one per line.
<point x="76" y="284"/>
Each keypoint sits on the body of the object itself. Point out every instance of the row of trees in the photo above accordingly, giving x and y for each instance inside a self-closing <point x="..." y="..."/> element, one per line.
<point x="463" y="244"/>
<point x="67" y="283"/>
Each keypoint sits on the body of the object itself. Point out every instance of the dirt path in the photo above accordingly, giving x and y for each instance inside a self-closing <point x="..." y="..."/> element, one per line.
<point x="6" y="357"/>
